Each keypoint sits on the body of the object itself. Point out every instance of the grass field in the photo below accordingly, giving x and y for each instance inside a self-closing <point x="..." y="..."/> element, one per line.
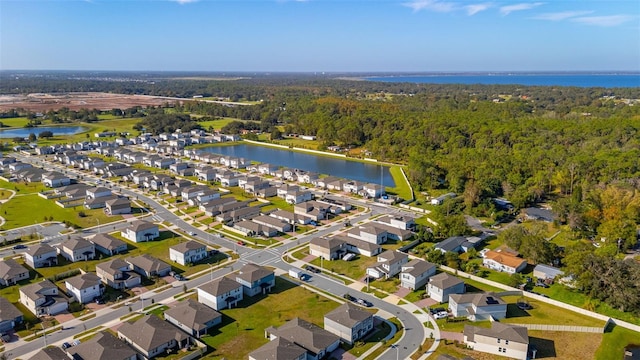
<point x="614" y="341"/>
<point x="242" y="328"/>
<point x="402" y="187"/>
<point x="18" y="122"/>
<point x="217" y="124"/>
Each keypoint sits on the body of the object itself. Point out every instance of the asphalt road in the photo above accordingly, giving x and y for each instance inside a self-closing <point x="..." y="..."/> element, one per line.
<point x="407" y="345"/>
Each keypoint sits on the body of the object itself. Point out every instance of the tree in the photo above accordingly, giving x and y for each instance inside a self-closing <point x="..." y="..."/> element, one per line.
<point x="45" y="134"/>
<point x="515" y="280"/>
<point x="276" y="134"/>
<point x="32" y="137"/>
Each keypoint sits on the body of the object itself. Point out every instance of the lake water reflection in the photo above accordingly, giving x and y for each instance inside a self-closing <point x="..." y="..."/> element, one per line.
<point x="353" y="170"/>
<point x="56" y="130"/>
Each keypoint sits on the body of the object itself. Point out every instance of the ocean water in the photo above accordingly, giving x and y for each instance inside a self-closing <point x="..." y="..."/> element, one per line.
<point x="605" y="80"/>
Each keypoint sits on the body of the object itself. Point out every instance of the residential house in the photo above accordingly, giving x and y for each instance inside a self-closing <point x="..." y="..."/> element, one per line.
<point x="10" y="316"/>
<point x="546" y="272"/>
<point x="440" y="199"/>
<point x="140" y="231"/>
<point x="214" y="207"/>
<point x="108" y="245"/>
<point x="281" y="226"/>
<point x="84" y="287"/>
<point x="389" y="264"/>
<point x="478" y="306"/>
<point x="506" y="340"/>
<point x="455" y="244"/>
<point x="290" y="217"/>
<point x="103" y="346"/>
<point x="152" y="336"/>
<point x="43" y="298"/>
<point x="77" y="249"/>
<point x="324" y="182"/>
<point x="314" y="210"/>
<point x="328" y="248"/>
<point x="204" y="197"/>
<point x="193" y="317"/>
<point x="239" y="214"/>
<point x="361" y="247"/>
<point x="117" y="273"/>
<point x="41" y="255"/>
<point x="397" y="221"/>
<point x="255" y="279"/>
<point x="372" y="190"/>
<point x="416" y="273"/>
<point x="352" y="186"/>
<point x="369" y="233"/>
<point x="97" y="192"/>
<point x="393" y="233"/>
<point x="442" y="285"/>
<point x="250" y="228"/>
<point x="11" y="272"/>
<point x="279" y="349"/>
<point x="220" y="293"/>
<point x="55" y="179"/>
<point x="148" y="266"/>
<point x="49" y="353"/>
<point x="298" y="196"/>
<point x="118" y="206"/>
<point x="192" y="191"/>
<point x="266" y="169"/>
<point x="188" y="252"/>
<point x="317" y="341"/>
<point x="349" y="322"/>
<point x="539" y="214"/>
<point x="504" y="262"/>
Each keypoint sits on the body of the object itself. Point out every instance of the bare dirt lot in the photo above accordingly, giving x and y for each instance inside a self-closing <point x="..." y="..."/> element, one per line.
<point x="75" y="101"/>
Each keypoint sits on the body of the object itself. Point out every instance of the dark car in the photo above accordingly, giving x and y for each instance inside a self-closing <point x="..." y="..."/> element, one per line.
<point x="312" y="269"/>
<point x="179" y="277"/>
<point x="65" y="345"/>
<point x="99" y="300"/>
<point x="349" y="297"/>
<point x="17" y="247"/>
<point x="364" y="302"/>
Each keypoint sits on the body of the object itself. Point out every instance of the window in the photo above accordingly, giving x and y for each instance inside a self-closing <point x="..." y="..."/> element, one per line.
<point x="499" y="349"/>
<point x="498" y="341"/>
<point x="506" y="342"/>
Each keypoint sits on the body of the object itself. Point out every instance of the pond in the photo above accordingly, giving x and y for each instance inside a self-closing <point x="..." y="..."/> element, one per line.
<point x="354" y="170"/>
<point x="56" y="130"/>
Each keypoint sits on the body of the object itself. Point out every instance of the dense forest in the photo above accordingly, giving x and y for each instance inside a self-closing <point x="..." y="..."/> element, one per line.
<point x="577" y="149"/>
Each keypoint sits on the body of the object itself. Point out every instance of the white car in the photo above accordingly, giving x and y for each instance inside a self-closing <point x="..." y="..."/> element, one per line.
<point x="441" y="315"/>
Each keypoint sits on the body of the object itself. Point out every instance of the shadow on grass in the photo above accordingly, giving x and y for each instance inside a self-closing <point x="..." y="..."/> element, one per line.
<point x="546" y="348"/>
<point x="514" y="311"/>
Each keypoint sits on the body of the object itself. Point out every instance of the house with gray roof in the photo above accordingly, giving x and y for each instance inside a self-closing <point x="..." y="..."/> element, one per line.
<point x="506" y="340"/>
<point x="370" y="233"/>
<point x="84" y="287"/>
<point x="10" y="316"/>
<point x="415" y="274"/>
<point x="148" y="266"/>
<point x="117" y="273"/>
<point x="456" y="244"/>
<point x="118" y="206"/>
<point x="389" y="264"/>
<point x="349" y="322"/>
<point x="152" y="336"/>
<point x="193" y="317"/>
<point x="255" y="279"/>
<point x="328" y="248"/>
<point x="478" y="306"/>
<point x="188" y="252"/>
<point x="103" y="346"/>
<point x="250" y="228"/>
<point x="140" y="231"/>
<point x="49" y="353"/>
<point x="77" y="249"/>
<point x="220" y="293"/>
<point x="41" y="255"/>
<point x="43" y="298"/>
<point x="545" y="272"/>
<point x="442" y="285"/>
<point x="317" y="341"/>
<point x="280" y="225"/>
<point x="11" y="272"/>
<point x="108" y="245"/>
<point x="279" y="349"/>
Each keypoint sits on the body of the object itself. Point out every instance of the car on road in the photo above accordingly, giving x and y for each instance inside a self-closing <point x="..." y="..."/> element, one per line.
<point x="20" y="246"/>
<point x="364" y="302"/>
<point x="240" y="242"/>
<point x="179" y="277"/>
<point x="312" y="269"/>
<point x="192" y="233"/>
<point x="349" y="297"/>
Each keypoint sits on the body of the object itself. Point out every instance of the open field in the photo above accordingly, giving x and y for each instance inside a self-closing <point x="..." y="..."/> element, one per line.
<point x="77" y="101"/>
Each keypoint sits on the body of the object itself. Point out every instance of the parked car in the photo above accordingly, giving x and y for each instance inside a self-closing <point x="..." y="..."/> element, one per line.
<point x="179" y="277"/>
<point x="20" y="246"/>
<point x="349" y="297"/>
<point x="364" y="302"/>
<point x="99" y="300"/>
<point x="65" y="345"/>
<point x="240" y="242"/>
<point x="312" y="269"/>
<point x="192" y="233"/>
<point x="441" y="315"/>
<point x="349" y="257"/>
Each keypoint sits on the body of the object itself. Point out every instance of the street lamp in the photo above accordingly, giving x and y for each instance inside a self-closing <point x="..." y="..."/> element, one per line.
<point x="45" y="334"/>
<point x="98" y="220"/>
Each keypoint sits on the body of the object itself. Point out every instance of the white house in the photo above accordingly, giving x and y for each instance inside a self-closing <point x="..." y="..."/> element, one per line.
<point x="416" y="273"/>
<point x="349" y="322"/>
<point x="41" y="255"/>
<point x="478" y="306"/>
<point x="188" y="252"/>
<point x="140" y="231"/>
<point x="389" y="264"/>
<point x="501" y="261"/>
<point x="77" y="249"/>
<point x="84" y="287"/>
<point x="43" y="298"/>
<point x="442" y="285"/>
<point x="506" y="340"/>
<point x="220" y="293"/>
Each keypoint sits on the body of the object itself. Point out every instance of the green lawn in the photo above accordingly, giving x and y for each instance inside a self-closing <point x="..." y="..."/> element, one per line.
<point x="15" y="122"/>
<point x="354" y="269"/>
<point x="242" y="328"/>
<point x="402" y="187"/>
<point x="543" y="313"/>
<point x="614" y="342"/>
<point x="217" y="124"/>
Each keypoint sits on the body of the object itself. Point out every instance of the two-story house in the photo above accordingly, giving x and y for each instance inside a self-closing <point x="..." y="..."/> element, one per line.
<point x="255" y="279"/>
<point x="506" y="340"/>
<point x="108" y="245"/>
<point x="317" y="341"/>
<point x="43" y="298"/>
<point x="188" y="252"/>
<point x="84" y="287"/>
<point x="117" y="273"/>
<point x="152" y="336"/>
<point x="41" y="255"/>
<point x="11" y="272"/>
<point x="416" y="273"/>
<point x="148" y="266"/>
<point x="220" y="293"/>
<point x="442" y="285"/>
<point x="389" y="264"/>
<point x="478" y="306"/>
<point x="77" y="249"/>
<point x="140" y="231"/>
<point x="193" y="317"/>
<point x="349" y="322"/>
<point x="10" y="316"/>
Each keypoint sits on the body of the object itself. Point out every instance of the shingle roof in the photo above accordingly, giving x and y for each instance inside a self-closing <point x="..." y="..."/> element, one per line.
<point x="103" y="346"/>
<point x="40" y="249"/>
<point x="348" y="315"/>
<point x="417" y="267"/>
<point x="193" y="314"/>
<point x="113" y="266"/>
<point x="10" y="268"/>
<point x="252" y="272"/>
<point x="32" y="291"/>
<point x="148" y="263"/>
<point x="504" y="258"/>
<point x="141" y="225"/>
<point x="8" y="311"/>
<point x="75" y="243"/>
<point x="444" y="281"/>
<point x="107" y="241"/>
<point x="220" y="286"/>
<point x="327" y="243"/>
<point x="309" y="336"/>
<point x="83" y="281"/>
<point x="499" y="330"/>
<point x="150" y="332"/>
<point x="392" y="256"/>
<point x="183" y="247"/>
<point x="50" y="353"/>
<point x="278" y="349"/>
<point x="478" y="299"/>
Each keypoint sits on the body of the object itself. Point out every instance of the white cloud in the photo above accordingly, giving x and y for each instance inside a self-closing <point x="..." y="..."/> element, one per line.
<point x="605" y="21"/>
<point x="508" y="9"/>
<point x="476" y="8"/>
<point x="557" y="16"/>
<point x="433" y="5"/>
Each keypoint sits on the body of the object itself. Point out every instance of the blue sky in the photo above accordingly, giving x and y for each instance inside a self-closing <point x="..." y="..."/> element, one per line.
<point x="320" y="35"/>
